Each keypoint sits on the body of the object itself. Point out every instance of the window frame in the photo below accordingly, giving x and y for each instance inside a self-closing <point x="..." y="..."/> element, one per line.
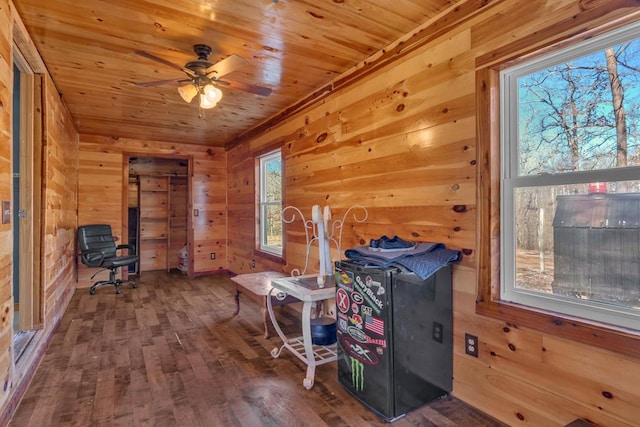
<point x="512" y="180"/>
<point x="270" y="250"/>
<point x="489" y="241"/>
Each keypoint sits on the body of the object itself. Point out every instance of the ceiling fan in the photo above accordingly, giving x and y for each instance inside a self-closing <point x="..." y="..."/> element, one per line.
<point x="203" y="77"/>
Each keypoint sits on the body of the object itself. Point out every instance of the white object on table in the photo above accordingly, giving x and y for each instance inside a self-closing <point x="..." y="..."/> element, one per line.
<point x="306" y="289"/>
<point x="321" y="220"/>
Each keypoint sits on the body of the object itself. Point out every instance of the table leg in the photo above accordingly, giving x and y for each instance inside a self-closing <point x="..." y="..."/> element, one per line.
<point x="276" y="351"/>
<point x="319" y="308"/>
<point x="308" y="345"/>
<point x="265" y="317"/>
<point x="237" y="298"/>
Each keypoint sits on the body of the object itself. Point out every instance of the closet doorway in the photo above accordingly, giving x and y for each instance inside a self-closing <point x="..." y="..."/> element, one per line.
<point x="158" y="201"/>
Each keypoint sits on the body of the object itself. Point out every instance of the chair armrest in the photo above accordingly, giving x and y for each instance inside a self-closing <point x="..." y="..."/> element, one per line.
<point x="92" y="259"/>
<point x="131" y="249"/>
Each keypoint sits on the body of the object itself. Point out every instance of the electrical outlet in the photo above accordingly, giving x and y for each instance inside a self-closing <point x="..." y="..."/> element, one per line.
<point x="213" y="255"/>
<point x="437" y="332"/>
<point x="471" y="345"/>
<point x="253" y="263"/>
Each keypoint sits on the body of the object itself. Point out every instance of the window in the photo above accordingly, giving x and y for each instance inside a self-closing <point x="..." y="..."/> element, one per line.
<point x="271" y="203"/>
<point x="570" y="181"/>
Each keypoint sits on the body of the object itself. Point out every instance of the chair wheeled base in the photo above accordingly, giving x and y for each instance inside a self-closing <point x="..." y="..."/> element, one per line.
<point x="112" y="281"/>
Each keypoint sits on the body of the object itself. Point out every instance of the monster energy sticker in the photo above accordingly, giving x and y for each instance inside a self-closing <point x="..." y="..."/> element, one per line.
<point x="357" y="374"/>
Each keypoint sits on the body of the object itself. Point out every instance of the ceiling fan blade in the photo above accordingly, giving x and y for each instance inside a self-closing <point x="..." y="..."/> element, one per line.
<point x="246" y="87"/>
<point x="161" y="82"/>
<point x="226" y="66"/>
<point x="164" y="61"/>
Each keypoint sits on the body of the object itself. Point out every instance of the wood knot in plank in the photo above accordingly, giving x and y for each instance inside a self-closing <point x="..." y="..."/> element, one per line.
<point x="321" y="137"/>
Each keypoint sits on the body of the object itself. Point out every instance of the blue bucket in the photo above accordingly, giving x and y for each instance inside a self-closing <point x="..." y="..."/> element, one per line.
<point x="323" y="331"/>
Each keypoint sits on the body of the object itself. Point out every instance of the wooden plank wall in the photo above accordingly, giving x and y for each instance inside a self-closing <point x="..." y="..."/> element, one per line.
<point x="402" y="143"/>
<point x="99" y="201"/>
<point x="60" y="204"/>
<point x="208" y="190"/>
<point x="59" y="181"/>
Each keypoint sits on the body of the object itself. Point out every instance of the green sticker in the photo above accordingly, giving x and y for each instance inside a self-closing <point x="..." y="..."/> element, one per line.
<point x="357" y="374"/>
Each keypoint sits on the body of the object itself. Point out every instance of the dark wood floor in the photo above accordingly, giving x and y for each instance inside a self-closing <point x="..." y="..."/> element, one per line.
<point x="171" y="353"/>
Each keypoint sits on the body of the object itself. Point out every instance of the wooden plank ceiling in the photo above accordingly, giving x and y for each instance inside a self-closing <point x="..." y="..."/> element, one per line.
<point x="292" y="47"/>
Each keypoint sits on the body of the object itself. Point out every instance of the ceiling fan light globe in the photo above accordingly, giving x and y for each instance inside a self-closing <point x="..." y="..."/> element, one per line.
<point x="214" y="95"/>
<point x="205" y="103"/>
<point x="188" y="92"/>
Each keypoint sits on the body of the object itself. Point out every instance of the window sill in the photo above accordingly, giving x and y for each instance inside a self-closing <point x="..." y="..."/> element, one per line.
<point x="268" y="256"/>
<point x="620" y="340"/>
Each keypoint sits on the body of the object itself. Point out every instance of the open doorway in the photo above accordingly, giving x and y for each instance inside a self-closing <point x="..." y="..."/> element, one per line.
<point x="159" y="201"/>
<point x="26" y="203"/>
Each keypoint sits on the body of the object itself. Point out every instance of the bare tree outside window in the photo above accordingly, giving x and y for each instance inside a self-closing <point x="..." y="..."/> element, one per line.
<point x="271" y="203"/>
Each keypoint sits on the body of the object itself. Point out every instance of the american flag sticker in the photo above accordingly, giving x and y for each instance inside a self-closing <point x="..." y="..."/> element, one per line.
<point x="374" y="325"/>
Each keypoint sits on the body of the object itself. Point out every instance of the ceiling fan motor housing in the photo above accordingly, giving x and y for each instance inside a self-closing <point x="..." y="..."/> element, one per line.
<point x="203" y="51"/>
<point x="200" y="65"/>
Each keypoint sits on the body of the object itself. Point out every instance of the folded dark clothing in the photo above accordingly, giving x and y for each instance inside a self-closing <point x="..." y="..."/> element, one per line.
<point x="424" y="260"/>
<point x="364" y="251"/>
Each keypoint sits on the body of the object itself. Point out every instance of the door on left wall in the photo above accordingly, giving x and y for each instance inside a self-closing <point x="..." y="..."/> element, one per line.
<point x="26" y="199"/>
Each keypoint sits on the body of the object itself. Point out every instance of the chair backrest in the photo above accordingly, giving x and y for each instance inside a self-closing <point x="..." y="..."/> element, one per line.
<point x="96" y="239"/>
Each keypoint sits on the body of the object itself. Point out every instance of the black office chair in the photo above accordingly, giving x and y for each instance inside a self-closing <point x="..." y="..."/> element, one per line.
<point x="98" y="250"/>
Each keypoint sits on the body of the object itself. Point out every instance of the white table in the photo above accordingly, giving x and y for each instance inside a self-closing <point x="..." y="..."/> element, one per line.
<point x="306" y="289"/>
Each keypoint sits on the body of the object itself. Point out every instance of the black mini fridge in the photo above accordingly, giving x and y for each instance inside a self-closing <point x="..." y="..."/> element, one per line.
<point x="395" y="336"/>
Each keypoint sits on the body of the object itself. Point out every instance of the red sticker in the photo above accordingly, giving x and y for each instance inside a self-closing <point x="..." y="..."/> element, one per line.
<point x="342" y="300"/>
<point x="360" y="351"/>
